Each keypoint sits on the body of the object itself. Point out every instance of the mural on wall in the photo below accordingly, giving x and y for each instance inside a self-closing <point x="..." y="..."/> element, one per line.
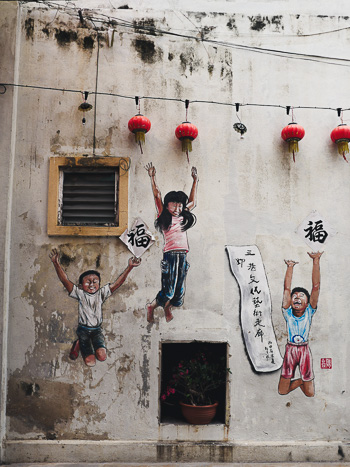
<point x="90" y="298"/>
<point x="138" y="239"/>
<point x="255" y="307"/>
<point x="174" y="218"/>
<point x="298" y="308"/>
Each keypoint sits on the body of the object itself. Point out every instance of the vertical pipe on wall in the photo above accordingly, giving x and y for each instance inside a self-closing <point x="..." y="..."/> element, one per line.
<point x="7" y="253"/>
<point x="97" y="60"/>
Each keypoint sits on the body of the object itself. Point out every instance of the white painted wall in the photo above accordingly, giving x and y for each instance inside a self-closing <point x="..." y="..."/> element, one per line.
<point x="250" y="192"/>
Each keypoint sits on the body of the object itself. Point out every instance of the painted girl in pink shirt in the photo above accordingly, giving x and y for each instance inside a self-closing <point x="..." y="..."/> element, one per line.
<point x="174" y="219"/>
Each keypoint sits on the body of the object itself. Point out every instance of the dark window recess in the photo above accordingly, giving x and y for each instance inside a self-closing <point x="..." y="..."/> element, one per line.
<point x="89" y="197"/>
<point x="171" y="355"/>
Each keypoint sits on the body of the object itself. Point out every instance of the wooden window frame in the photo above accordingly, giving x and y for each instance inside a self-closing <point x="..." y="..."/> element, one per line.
<point x="59" y="163"/>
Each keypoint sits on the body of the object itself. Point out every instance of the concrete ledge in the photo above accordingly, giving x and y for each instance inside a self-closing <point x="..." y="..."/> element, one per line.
<point x="22" y="451"/>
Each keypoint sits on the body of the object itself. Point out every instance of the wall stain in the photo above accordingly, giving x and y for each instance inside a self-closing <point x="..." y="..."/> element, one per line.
<point x="277" y="21"/>
<point x="29" y="27"/>
<point x="65" y="259"/>
<point x="125" y="367"/>
<point x="88" y="42"/>
<point x="188" y="60"/>
<point x="257" y="23"/>
<point x="147" y="50"/>
<point x="65" y="37"/>
<point x="124" y="7"/>
<point x="341" y="452"/>
<point x="231" y="23"/>
<point x="226" y="68"/>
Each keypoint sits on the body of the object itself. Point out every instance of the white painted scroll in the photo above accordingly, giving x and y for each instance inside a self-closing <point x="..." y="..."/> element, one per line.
<point x="138" y="239"/>
<point x="315" y="231"/>
<point x="255" y="307"/>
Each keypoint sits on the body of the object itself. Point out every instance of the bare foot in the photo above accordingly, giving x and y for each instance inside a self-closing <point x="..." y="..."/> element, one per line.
<point x="168" y="314"/>
<point x="150" y="315"/>
<point x="90" y="360"/>
<point x="101" y="354"/>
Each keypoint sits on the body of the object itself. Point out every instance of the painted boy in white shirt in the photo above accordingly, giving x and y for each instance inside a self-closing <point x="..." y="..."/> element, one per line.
<point x="90" y="298"/>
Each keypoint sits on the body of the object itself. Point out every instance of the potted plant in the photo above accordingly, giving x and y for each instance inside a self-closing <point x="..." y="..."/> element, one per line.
<point x="193" y="384"/>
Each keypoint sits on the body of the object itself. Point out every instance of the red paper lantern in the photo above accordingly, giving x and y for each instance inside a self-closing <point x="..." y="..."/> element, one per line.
<point x="186" y="133"/>
<point x="139" y="125"/>
<point x="341" y="136"/>
<point x="292" y="133"/>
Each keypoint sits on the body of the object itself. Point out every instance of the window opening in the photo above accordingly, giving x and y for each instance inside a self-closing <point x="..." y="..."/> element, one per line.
<point x="171" y="354"/>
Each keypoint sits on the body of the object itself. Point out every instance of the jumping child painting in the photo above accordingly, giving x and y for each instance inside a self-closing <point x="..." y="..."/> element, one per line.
<point x="174" y="218"/>
<point x="298" y="308"/>
<point x="90" y="298"/>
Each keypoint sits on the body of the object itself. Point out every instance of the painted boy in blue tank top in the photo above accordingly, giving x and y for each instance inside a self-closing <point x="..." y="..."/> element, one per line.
<point x="298" y="307"/>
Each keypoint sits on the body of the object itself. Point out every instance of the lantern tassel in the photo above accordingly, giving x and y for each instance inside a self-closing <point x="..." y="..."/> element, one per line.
<point x="293" y="147"/>
<point x="186" y="145"/>
<point x="141" y="147"/>
<point x="140" y="137"/>
<point x="343" y="148"/>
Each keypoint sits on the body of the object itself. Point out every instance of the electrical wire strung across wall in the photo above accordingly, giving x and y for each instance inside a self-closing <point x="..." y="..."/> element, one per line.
<point x="111" y="21"/>
<point x="111" y="94"/>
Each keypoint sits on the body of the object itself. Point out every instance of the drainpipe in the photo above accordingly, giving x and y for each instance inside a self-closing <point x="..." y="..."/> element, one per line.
<point x="7" y="253"/>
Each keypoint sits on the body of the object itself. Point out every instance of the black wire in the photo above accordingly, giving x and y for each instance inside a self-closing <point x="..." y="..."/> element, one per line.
<point x="169" y="99"/>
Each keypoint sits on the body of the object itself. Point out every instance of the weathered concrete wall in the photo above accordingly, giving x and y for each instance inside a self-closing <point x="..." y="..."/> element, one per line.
<point x="250" y="192"/>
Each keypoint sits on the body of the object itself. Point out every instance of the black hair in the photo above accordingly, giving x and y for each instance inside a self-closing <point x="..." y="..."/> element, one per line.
<point x="87" y="273"/>
<point x="301" y="289"/>
<point x="164" y="220"/>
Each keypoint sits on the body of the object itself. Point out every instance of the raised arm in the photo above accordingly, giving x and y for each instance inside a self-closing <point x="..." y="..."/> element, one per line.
<point x="192" y="200"/>
<point x="156" y="192"/>
<point x="133" y="262"/>
<point x="287" y="298"/>
<point x="316" y="278"/>
<point x="55" y="256"/>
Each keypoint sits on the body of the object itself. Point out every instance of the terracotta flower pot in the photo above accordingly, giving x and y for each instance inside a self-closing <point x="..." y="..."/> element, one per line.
<point x="198" y="414"/>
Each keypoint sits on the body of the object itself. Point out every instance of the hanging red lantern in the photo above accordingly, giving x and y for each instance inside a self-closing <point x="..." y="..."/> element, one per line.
<point x="292" y="133"/>
<point x="341" y="136"/>
<point x="139" y="125"/>
<point x="186" y="133"/>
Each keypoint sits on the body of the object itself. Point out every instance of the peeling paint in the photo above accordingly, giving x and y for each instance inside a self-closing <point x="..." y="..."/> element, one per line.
<point x="145" y="372"/>
<point x="39" y="403"/>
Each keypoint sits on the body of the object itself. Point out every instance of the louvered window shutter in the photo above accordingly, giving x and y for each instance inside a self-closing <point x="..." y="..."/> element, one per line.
<point x="89" y="197"/>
